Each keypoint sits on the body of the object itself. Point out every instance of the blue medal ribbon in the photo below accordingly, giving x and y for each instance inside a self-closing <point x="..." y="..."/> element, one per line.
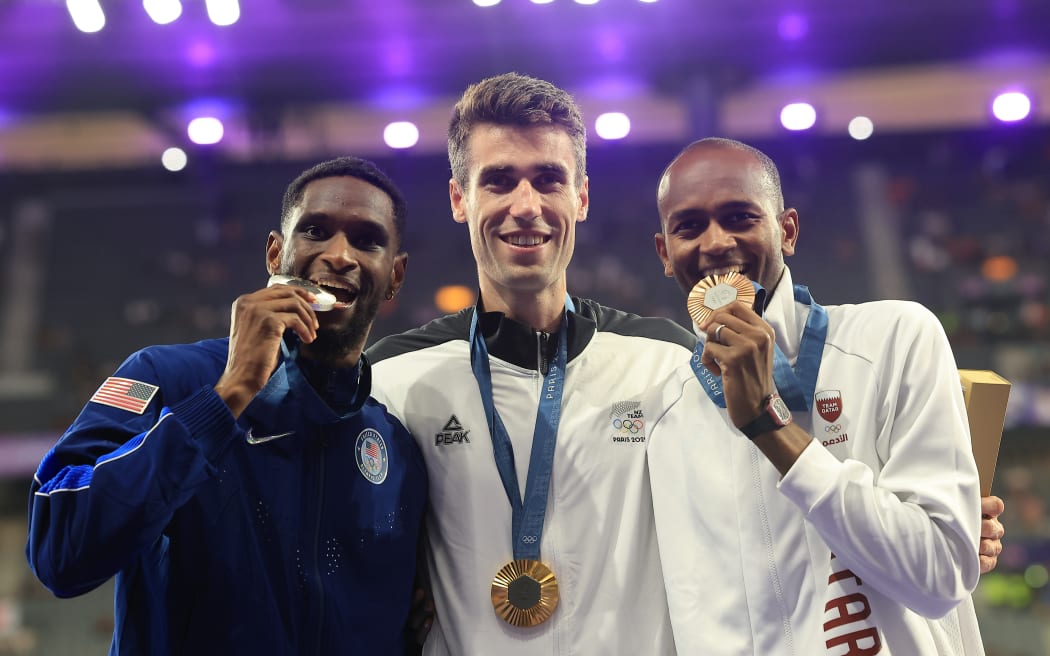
<point x="528" y="515"/>
<point x="795" y="384"/>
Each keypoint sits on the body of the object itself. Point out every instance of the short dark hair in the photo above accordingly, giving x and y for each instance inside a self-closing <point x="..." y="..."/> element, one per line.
<point x="348" y="166"/>
<point x="514" y="99"/>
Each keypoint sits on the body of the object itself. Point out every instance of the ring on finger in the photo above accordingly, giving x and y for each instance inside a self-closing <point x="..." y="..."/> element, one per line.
<point x="718" y="333"/>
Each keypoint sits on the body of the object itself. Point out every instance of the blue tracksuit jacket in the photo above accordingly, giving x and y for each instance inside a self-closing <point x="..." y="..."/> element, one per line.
<point x="290" y="531"/>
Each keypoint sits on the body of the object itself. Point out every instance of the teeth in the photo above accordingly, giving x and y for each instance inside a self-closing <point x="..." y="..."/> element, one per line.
<point x="724" y="270"/>
<point x="525" y="240"/>
<point x="331" y="284"/>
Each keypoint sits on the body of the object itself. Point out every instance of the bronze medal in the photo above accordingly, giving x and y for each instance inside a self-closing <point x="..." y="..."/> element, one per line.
<point x="524" y="592"/>
<point x="714" y="292"/>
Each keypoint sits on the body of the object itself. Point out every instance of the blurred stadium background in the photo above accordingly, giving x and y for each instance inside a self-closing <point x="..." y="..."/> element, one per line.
<point x="122" y="226"/>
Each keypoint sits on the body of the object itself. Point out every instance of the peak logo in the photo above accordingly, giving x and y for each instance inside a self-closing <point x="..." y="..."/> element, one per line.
<point x="452" y="433"/>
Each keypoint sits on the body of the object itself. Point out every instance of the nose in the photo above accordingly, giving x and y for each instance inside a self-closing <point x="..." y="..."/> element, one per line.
<point x="715" y="240"/>
<point x="525" y="202"/>
<point x="339" y="254"/>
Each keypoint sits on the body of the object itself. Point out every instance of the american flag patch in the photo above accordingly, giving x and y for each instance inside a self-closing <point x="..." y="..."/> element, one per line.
<point x="372" y="449"/>
<point x="126" y="394"/>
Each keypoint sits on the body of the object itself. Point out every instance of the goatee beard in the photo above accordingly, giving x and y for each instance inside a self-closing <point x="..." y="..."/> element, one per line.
<point x="333" y="344"/>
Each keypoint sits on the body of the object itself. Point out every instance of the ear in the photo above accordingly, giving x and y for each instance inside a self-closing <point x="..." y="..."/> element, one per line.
<point x="788" y="231"/>
<point x="585" y="200"/>
<point x="274" y="246"/>
<point x="661" y="250"/>
<point x="457" y="199"/>
<point x="397" y="273"/>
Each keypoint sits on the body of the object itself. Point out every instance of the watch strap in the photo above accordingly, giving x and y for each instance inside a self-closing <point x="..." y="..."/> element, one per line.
<point x="767" y="421"/>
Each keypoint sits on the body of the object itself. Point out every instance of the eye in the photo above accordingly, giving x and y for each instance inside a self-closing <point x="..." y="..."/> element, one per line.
<point x="739" y="220"/>
<point x="313" y="231"/>
<point x="369" y="242"/>
<point x="548" y="180"/>
<point x="497" y="181"/>
<point x="686" y="227"/>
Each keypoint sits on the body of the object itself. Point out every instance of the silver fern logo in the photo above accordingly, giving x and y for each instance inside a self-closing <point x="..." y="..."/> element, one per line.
<point x="628" y="422"/>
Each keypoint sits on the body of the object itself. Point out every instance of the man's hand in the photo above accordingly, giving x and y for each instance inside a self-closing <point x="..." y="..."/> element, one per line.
<point x="259" y="321"/>
<point x="739" y="348"/>
<point x="742" y="355"/>
<point x="991" y="533"/>
<point x="421" y="615"/>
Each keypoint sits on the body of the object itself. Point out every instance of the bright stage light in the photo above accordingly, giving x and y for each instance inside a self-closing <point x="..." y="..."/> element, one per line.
<point x="798" y="116"/>
<point x="612" y="125"/>
<point x="205" y="130"/>
<point x="162" y="11"/>
<point x="1011" y="106"/>
<point x="223" y="12"/>
<point x="401" y="134"/>
<point x="861" y="127"/>
<point x="87" y="15"/>
<point x="174" y="159"/>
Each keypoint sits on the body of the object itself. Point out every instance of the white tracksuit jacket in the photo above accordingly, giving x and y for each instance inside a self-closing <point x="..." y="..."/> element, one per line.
<point x="598" y="536"/>
<point x="869" y="543"/>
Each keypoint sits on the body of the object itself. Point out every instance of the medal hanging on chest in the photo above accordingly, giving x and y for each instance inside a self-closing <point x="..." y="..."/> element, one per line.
<point x="525" y="590"/>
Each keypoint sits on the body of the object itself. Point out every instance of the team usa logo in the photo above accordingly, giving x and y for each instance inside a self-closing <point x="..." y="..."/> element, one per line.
<point x="628" y="422"/>
<point x="829" y="406"/>
<point x="372" y="457"/>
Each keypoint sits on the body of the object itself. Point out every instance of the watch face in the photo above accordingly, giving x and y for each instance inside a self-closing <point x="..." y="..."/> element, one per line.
<point x="780" y="410"/>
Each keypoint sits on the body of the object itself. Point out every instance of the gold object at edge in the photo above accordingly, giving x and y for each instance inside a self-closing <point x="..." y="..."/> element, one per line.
<point x="525" y="617"/>
<point x="700" y="311"/>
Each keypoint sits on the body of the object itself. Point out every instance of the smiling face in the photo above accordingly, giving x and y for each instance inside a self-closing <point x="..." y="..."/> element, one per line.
<point x="720" y="212"/>
<point x="341" y="236"/>
<point x="521" y="204"/>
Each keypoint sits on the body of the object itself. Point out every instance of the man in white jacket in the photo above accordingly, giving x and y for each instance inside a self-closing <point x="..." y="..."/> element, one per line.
<point x="846" y="523"/>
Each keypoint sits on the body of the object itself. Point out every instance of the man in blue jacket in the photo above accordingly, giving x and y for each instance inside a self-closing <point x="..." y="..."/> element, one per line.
<point x="248" y="493"/>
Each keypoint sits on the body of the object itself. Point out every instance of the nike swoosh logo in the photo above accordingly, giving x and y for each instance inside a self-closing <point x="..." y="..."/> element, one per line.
<point x="262" y="439"/>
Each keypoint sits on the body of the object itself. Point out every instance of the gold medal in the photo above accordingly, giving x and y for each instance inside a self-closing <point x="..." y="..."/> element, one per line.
<point x="524" y="592"/>
<point x="718" y="291"/>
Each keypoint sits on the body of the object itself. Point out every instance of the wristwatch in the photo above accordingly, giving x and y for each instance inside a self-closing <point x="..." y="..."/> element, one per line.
<point x="775" y="414"/>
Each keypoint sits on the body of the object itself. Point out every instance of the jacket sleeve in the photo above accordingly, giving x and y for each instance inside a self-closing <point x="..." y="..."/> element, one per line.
<point x="910" y="528"/>
<point x="112" y="483"/>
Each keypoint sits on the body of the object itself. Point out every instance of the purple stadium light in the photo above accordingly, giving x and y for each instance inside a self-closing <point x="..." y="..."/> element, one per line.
<point x="401" y="134"/>
<point x="798" y="116"/>
<point x="1011" y="106"/>
<point x="205" y="130"/>
<point x="200" y="54"/>
<point x="792" y="27"/>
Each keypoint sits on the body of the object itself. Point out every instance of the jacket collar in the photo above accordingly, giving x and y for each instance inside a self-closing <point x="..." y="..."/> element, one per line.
<point x="517" y="343"/>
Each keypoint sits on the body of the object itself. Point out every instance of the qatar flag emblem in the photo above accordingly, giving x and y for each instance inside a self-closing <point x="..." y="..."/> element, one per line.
<point x="829" y="404"/>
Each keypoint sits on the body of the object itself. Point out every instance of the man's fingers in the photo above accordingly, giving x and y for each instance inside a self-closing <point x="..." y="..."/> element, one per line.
<point x="992" y="529"/>
<point x="992" y="507"/>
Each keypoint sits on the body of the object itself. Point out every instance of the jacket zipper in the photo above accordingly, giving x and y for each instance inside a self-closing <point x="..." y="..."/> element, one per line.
<point x="318" y="548"/>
